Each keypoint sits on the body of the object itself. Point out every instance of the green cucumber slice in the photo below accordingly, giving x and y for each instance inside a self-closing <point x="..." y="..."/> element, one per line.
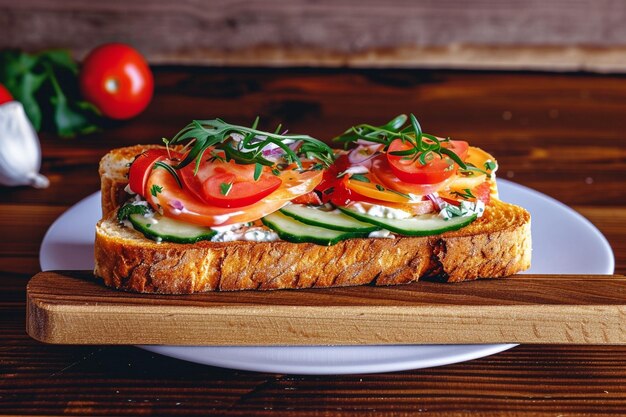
<point x="292" y="230"/>
<point x="424" y="225"/>
<point x="161" y="228"/>
<point x="328" y="219"/>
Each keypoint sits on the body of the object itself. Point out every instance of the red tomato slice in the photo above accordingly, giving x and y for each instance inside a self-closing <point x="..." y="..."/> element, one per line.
<point x="382" y="171"/>
<point x="228" y="184"/>
<point x="310" y="198"/>
<point x="341" y="191"/>
<point x="142" y="167"/>
<point x="375" y="191"/>
<point x="481" y="192"/>
<point x="335" y="189"/>
<point x="180" y="203"/>
<point x="435" y="171"/>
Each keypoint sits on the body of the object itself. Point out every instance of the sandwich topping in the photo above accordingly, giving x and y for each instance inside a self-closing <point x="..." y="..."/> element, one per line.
<point x="222" y="182"/>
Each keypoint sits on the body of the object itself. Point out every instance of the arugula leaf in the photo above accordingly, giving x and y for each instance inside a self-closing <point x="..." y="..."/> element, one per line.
<point x="423" y="147"/>
<point x="248" y="148"/>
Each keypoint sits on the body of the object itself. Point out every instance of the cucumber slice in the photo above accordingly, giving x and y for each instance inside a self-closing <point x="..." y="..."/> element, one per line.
<point x="161" y="228"/>
<point x="328" y="219"/>
<point x="292" y="230"/>
<point x="424" y="225"/>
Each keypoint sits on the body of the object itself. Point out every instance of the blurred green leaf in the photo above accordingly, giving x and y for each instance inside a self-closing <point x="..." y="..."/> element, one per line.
<point x="60" y="58"/>
<point x="46" y="84"/>
<point x="25" y="94"/>
<point x="68" y="120"/>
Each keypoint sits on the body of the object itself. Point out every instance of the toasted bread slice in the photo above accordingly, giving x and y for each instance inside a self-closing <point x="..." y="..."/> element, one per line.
<point x="113" y="172"/>
<point x="496" y="245"/>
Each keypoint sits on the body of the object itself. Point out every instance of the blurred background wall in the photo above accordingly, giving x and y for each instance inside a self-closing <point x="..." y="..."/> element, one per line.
<point x="509" y="34"/>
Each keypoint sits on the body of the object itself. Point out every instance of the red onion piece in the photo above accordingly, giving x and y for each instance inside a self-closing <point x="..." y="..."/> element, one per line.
<point x="364" y="153"/>
<point x="176" y="204"/>
<point x="438" y="201"/>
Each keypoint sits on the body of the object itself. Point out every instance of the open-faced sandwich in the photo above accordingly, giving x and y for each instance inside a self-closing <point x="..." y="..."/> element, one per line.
<point x="226" y="207"/>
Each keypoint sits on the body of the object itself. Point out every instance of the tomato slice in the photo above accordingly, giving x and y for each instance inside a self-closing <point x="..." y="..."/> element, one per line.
<point x="375" y="191"/>
<point x="382" y="171"/>
<point x="181" y="203"/>
<point x="335" y="189"/>
<point x="228" y="184"/>
<point x="142" y="167"/>
<point x="309" y="198"/>
<point x="341" y="191"/>
<point x="437" y="170"/>
<point x="481" y="192"/>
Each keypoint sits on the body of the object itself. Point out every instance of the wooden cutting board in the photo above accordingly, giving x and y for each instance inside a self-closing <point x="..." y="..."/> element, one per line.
<point x="73" y="308"/>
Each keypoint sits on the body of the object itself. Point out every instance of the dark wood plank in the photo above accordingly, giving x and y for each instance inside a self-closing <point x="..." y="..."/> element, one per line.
<point x="25" y="226"/>
<point x="525" y="381"/>
<point x="564" y="34"/>
<point x="72" y="307"/>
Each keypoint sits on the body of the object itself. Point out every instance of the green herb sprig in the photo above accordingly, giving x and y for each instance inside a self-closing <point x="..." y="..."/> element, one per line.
<point x="217" y="134"/>
<point x="128" y="209"/>
<point x="465" y="194"/>
<point x="423" y="149"/>
<point x="470" y="169"/>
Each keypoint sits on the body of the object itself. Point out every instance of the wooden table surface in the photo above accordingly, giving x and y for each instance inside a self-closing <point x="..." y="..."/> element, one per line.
<point x="561" y="134"/>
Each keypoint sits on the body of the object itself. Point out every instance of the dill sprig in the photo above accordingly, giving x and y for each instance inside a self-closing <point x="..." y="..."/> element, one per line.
<point x="423" y="149"/>
<point x="217" y="134"/>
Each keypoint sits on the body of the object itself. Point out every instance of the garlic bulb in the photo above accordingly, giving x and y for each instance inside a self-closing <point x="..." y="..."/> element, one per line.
<point x="20" y="154"/>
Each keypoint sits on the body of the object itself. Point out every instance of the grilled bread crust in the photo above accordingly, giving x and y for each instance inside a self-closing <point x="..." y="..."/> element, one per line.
<point x="496" y="245"/>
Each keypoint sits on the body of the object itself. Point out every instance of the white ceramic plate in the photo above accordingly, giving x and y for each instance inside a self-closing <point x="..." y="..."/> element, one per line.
<point x="564" y="242"/>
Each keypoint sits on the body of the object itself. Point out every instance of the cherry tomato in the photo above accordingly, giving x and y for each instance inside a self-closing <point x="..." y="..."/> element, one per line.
<point x="228" y="184"/>
<point x="5" y="95"/>
<point x="181" y="203"/>
<point x="117" y="80"/>
<point x="141" y="168"/>
<point x="434" y="171"/>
